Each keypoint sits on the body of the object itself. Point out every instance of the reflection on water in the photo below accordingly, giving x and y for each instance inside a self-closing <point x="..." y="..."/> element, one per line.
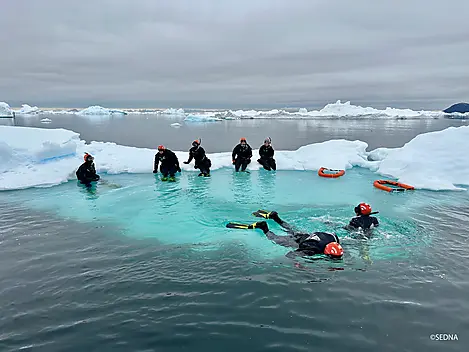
<point x="139" y="130"/>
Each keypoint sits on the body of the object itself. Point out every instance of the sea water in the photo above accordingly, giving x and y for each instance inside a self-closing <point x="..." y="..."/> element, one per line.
<point x="138" y="264"/>
<point x="144" y="265"/>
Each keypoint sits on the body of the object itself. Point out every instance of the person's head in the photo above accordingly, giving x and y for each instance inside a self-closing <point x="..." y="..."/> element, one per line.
<point x="267" y="141"/>
<point x="161" y="149"/>
<point x="362" y="209"/>
<point x="334" y="250"/>
<point x="88" y="158"/>
<point x="196" y="143"/>
<point x="243" y="142"/>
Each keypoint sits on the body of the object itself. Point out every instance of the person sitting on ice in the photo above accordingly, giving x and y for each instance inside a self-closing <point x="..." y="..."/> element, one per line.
<point x="86" y="173"/>
<point x="363" y="220"/>
<point x="266" y="153"/>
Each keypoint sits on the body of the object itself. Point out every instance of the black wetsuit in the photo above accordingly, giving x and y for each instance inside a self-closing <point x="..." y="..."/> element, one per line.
<point x="202" y="162"/>
<point x="86" y="173"/>
<point x="241" y="156"/>
<point x="169" y="163"/>
<point x="364" y="222"/>
<point x="305" y="244"/>
<point x="267" y="160"/>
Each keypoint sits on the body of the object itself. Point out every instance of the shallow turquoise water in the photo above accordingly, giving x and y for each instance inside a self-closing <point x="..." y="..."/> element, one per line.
<point x="193" y="211"/>
<point x="150" y="266"/>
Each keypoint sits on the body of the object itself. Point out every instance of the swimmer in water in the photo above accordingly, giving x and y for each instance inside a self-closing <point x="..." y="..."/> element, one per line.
<point x="363" y="219"/>
<point x="305" y="244"/>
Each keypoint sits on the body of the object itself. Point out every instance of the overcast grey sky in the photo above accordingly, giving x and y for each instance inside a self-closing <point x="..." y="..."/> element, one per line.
<point x="243" y="53"/>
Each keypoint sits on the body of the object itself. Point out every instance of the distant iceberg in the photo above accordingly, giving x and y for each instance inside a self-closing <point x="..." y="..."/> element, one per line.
<point x="5" y="110"/>
<point x="201" y="118"/>
<point x="333" y="110"/>
<point x="99" y="110"/>
<point x="172" y="111"/>
<point x="28" y="110"/>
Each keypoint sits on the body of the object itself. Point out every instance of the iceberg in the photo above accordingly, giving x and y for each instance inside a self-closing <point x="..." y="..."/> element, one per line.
<point x="34" y="157"/>
<point x="170" y="111"/>
<point x="201" y="118"/>
<point x="99" y="110"/>
<point x="333" y="110"/>
<point x="337" y="110"/>
<point x="5" y="110"/>
<point x="435" y="160"/>
<point x="28" y="110"/>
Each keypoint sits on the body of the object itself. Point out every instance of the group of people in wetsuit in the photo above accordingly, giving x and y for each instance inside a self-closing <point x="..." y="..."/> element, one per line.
<point x="168" y="162"/>
<point x="305" y="244"/>
<point x="241" y="158"/>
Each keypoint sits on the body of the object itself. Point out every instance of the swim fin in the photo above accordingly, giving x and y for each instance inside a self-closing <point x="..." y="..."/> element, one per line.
<point x="172" y="179"/>
<point x="234" y="225"/>
<point x="262" y="214"/>
<point x="164" y="179"/>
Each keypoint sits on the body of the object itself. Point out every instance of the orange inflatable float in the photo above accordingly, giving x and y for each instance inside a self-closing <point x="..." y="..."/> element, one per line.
<point x="335" y="174"/>
<point x="399" y="187"/>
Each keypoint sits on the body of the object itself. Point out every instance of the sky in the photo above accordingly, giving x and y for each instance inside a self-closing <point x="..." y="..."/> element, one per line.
<point x="234" y="54"/>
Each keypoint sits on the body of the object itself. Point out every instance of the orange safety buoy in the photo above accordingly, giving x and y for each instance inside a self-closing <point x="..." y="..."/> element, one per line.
<point x="401" y="187"/>
<point x="335" y="174"/>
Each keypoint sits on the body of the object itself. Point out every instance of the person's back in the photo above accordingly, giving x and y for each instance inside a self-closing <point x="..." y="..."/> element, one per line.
<point x="363" y="218"/>
<point x="315" y="243"/>
<point x="364" y="222"/>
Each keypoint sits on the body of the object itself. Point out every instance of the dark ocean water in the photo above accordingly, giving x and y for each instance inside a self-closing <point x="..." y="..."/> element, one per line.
<point x="70" y="285"/>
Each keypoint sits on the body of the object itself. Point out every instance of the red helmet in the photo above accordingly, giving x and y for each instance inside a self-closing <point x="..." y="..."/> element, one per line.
<point x="242" y="139"/>
<point x="363" y="209"/>
<point x="196" y="142"/>
<point x="161" y="147"/>
<point x="334" y="249"/>
<point x="86" y="156"/>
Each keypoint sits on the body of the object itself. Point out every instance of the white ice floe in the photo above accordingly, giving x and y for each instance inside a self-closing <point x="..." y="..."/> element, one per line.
<point x="44" y="157"/>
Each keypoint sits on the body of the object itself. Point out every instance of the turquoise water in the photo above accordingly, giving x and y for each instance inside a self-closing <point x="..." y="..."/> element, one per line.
<point x="193" y="211"/>
<point x="150" y="266"/>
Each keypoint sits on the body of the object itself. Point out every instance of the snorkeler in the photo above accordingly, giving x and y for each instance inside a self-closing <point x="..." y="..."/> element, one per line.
<point x="305" y="244"/>
<point x="86" y="173"/>
<point x="363" y="219"/>
<point x="266" y="153"/>
<point x="202" y="162"/>
<point x="241" y="155"/>
<point x="169" y="163"/>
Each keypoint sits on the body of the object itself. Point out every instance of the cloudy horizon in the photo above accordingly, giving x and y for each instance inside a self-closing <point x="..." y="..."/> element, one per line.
<point x="213" y="54"/>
